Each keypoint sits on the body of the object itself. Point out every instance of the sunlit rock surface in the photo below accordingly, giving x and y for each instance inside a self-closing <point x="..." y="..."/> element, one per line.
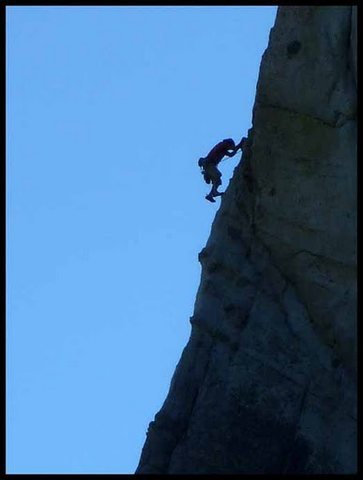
<point x="267" y="381"/>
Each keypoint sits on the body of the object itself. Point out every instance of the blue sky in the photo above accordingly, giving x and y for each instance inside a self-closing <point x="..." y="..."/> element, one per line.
<point x="108" y="111"/>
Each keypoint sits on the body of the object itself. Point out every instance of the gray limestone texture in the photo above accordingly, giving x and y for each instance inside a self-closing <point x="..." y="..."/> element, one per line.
<point x="267" y="381"/>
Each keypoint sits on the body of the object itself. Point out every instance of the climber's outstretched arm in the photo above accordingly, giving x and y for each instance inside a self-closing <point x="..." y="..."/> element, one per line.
<point x="232" y="154"/>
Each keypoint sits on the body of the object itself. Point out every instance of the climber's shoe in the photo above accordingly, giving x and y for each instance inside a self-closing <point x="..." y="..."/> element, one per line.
<point x="218" y="194"/>
<point x="210" y="198"/>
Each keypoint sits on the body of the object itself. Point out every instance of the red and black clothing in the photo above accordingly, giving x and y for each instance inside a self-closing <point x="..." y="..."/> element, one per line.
<point x="219" y="151"/>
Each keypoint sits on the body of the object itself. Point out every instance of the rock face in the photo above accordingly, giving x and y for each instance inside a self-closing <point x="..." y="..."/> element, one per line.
<point x="267" y="381"/>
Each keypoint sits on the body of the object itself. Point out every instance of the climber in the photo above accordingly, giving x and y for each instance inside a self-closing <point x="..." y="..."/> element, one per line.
<point x="208" y="164"/>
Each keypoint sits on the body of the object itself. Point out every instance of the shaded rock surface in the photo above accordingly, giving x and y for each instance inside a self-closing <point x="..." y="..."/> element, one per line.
<point x="267" y="381"/>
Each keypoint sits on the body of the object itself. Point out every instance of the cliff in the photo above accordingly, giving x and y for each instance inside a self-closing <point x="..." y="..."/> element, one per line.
<point x="267" y="381"/>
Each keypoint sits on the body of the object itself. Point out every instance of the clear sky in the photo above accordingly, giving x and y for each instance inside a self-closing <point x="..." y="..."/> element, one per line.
<point x="108" y="111"/>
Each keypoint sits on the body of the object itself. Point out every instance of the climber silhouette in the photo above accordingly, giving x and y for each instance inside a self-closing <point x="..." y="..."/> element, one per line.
<point x="208" y="164"/>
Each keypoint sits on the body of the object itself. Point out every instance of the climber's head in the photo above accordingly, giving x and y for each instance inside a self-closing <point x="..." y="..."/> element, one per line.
<point x="229" y="142"/>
